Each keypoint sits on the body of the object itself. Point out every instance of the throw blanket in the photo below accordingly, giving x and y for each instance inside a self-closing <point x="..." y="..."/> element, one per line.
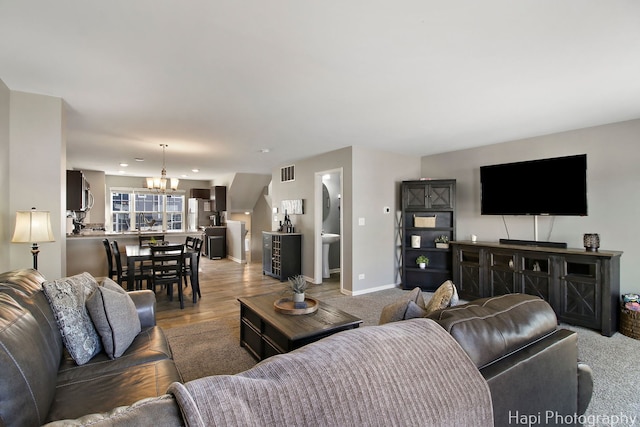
<point x="409" y="373"/>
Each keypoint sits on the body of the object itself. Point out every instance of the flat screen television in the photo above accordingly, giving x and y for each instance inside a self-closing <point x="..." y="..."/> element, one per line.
<point x="554" y="186"/>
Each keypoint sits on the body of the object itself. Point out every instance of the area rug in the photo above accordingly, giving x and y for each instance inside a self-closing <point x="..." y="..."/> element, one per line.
<point x="209" y="348"/>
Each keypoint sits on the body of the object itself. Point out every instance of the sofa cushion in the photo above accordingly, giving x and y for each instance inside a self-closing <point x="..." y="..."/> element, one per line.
<point x="102" y="393"/>
<point x="490" y="328"/>
<point x="29" y="368"/>
<point x="150" y="345"/>
<point x="67" y="298"/>
<point x="399" y="309"/>
<point x="114" y="316"/>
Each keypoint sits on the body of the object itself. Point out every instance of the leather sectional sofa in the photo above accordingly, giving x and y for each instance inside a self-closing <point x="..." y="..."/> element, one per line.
<point x="481" y="363"/>
<point x="42" y="383"/>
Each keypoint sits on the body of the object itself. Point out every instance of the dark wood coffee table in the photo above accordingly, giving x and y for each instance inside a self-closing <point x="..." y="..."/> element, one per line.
<point x="265" y="332"/>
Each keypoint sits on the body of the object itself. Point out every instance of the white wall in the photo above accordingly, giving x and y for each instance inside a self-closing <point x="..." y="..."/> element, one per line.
<point x="37" y="159"/>
<point x="613" y="176"/>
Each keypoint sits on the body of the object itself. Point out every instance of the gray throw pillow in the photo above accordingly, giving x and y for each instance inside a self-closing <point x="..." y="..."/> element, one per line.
<point x="399" y="309"/>
<point x="114" y="316"/>
<point x="67" y="298"/>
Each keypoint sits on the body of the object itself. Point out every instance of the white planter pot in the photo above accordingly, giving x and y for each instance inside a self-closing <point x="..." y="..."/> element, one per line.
<point x="422" y="265"/>
<point x="298" y="297"/>
<point x="442" y="245"/>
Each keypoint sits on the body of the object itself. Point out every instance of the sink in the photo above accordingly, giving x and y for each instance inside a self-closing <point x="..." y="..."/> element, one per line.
<point x="330" y="238"/>
<point x="327" y="239"/>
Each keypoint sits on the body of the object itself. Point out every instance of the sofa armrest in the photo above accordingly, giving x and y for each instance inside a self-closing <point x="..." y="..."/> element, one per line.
<point x="157" y="411"/>
<point x="585" y="387"/>
<point x="145" y="302"/>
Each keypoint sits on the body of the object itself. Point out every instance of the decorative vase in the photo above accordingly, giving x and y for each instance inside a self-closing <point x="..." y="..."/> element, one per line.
<point x="298" y="297"/>
<point x="591" y="241"/>
<point x="415" y="241"/>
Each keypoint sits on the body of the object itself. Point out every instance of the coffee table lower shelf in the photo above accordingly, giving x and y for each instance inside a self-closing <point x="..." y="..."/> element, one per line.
<point x="264" y="332"/>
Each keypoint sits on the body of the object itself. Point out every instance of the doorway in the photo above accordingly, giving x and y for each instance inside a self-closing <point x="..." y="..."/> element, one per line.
<point x="328" y="221"/>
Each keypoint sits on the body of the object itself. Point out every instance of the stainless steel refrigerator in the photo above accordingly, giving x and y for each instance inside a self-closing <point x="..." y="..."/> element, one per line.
<point x="199" y="213"/>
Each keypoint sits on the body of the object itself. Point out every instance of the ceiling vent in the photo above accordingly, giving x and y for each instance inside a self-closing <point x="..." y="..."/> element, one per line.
<point x="288" y="173"/>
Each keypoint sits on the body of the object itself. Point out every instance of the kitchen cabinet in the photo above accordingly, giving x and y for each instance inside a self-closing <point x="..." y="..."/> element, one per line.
<point x="79" y="197"/>
<point x="219" y="198"/>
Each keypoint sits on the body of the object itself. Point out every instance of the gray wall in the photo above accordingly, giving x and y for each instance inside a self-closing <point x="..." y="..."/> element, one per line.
<point x="37" y="158"/>
<point x="613" y="175"/>
<point x="371" y="181"/>
<point x="6" y="217"/>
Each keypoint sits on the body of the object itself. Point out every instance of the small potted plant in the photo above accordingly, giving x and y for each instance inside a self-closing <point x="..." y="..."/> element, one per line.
<point x="442" y="242"/>
<point x="422" y="261"/>
<point x="298" y="285"/>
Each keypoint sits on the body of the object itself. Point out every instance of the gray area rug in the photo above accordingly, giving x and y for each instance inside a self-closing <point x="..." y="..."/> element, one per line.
<point x="213" y="348"/>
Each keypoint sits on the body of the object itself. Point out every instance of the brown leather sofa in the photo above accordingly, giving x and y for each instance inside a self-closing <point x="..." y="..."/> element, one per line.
<point x="41" y="382"/>
<point x="531" y="365"/>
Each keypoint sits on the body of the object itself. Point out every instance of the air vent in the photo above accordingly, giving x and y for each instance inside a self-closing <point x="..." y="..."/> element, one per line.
<point x="288" y="173"/>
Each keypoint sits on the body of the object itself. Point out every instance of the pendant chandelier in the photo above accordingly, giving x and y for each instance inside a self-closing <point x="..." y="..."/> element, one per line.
<point x="160" y="184"/>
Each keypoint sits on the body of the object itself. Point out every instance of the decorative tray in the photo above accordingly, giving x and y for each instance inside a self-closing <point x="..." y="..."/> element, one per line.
<point x="286" y="306"/>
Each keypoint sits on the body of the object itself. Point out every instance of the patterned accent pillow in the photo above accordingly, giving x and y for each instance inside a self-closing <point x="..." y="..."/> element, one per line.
<point x="67" y="298"/>
<point x="114" y="316"/>
<point x="445" y="296"/>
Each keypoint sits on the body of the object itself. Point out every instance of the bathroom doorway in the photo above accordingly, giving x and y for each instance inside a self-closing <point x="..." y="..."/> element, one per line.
<point x="328" y="227"/>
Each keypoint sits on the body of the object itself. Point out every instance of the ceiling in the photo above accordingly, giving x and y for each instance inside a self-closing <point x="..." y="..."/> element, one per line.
<point x="220" y="81"/>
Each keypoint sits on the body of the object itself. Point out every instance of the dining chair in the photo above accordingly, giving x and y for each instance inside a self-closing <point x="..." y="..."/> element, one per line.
<point x="123" y="273"/>
<point x="196" y="246"/>
<point x="190" y="241"/>
<point x="145" y="240"/>
<point x="112" y="273"/>
<point x="167" y="268"/>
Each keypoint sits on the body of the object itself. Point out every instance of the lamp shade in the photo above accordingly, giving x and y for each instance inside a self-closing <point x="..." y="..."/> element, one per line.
<point x="33" y="226"/>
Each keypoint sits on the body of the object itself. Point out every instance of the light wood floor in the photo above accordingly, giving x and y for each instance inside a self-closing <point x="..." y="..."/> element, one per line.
<point x="221" y="283"/>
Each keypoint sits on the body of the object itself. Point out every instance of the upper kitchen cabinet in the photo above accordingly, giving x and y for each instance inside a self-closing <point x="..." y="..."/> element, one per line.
<point x="200" y="193"/>
<point x="219" y="198"/>
<point x="79" y="197"/>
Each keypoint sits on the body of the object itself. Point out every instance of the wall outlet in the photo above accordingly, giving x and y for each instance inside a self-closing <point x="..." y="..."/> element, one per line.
<point x="361" y="276"/>
<point x="360" y="221"/>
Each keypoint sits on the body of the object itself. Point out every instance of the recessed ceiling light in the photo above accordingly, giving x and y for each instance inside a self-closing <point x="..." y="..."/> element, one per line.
<point x="139" y="159"/>
<point x="124" y="165"/>
<point x="122" y="172"/>
<point x="195" y="170"/>
<point x="264" y="150"/>
<point x="184" y="176"/>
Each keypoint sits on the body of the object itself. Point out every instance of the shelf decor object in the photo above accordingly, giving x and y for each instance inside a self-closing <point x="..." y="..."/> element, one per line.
<point x="424" y="221"/>
<point x="591" y="241"/>
<point x="31" y="227"/>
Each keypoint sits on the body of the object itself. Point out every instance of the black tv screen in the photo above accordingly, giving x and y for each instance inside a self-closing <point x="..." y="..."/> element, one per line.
<point x="555" y="186"/>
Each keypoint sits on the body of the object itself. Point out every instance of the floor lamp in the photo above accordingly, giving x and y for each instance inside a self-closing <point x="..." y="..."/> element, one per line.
<point x="31" y="227"/>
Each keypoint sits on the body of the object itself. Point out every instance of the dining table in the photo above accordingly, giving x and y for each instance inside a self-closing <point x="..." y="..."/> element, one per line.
<point x="138" y="254"/>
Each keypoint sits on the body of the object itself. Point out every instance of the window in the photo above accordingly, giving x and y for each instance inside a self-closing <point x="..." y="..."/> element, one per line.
<point x="134" y="209"/>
